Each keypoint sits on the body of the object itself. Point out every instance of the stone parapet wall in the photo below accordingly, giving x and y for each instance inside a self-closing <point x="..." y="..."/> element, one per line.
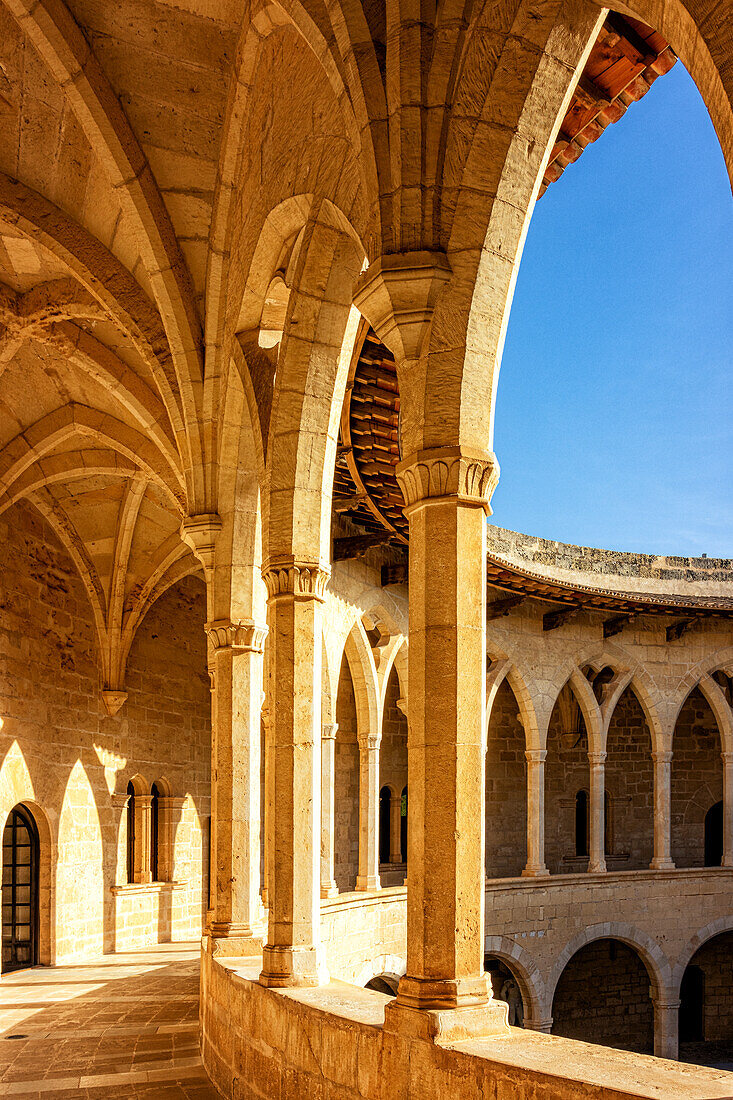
<point x="613" y="569"/>
<point x="331" y="1042"/>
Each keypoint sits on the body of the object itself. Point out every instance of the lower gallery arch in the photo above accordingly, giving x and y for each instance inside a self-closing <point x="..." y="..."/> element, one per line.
<point x="706" y="1012"/>
<point x="504" y="958"/>
<point x="603" y="997"/>
<point x="697" y="779"/>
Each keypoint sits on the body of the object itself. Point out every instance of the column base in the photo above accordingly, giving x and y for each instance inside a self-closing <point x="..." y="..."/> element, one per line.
<point x="329" y="890"/>
<point x="535" y="872"/>
<point x="234" y="941"/>
<point x="597" y="868"/>
<point x="443" y="994"/>
<point x="662" y="864"/>
<point x="543" y="1025"/>
<point x="368" y="882"/>
<point x="449" y="1025"/>
<point x="283" y="967"/>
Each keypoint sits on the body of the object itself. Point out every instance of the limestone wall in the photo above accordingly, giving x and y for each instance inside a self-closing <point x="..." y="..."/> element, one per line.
<point x="697" y="779"/>
<point x="364" y="936"/>
<point x="63" y="755"/>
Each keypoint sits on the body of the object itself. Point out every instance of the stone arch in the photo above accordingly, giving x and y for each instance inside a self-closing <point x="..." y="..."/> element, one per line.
<point x="363" y="676"/>
<point x="700" y="677"/>
<point x="46" y="876"/>
<point x="529" y="977"/>
<point x="392" y="965"/>
<point x="504" y="669"/>
<point x="656" y="962"/>
<point x="701" y="937"/>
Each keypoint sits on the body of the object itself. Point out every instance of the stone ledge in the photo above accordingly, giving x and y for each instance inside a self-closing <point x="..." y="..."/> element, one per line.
<point x="125" y="888"/>
<point x="585" y="878"/>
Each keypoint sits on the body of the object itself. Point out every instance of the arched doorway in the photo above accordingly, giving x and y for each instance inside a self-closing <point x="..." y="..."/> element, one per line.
<point x="692" y="1001"/>
<point x="603" y="997"/>
<point x="714" y="835"/>
<point x="706" y="1010"/>
<point x="505" y="987"/>
<point x="385" y="807"/>
<point x="21" y="860"/>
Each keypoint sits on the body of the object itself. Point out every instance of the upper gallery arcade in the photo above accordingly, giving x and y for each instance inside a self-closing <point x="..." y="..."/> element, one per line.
<point x="256" y="266"/>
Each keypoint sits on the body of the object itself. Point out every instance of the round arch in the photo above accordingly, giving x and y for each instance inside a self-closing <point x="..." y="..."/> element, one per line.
<point x="693" y="945"/>
<point x="655" y="960"/>
<point x="525" y="969"/>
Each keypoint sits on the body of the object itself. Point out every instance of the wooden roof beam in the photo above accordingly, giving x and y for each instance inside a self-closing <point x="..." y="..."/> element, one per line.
<point x="553" y="619"/>
<point x="499" y="608"/>
<point x="615" y="624"/>
<point x="353" y="546"/>
<point x="676" y="630"/>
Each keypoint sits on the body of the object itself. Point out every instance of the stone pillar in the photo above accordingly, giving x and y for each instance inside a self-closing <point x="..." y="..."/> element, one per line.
<point x="395" y="828"/>
<point x="446" y="494"/>
<point x="292" y="955"/>
<point x="368" y="877"/>
<point x="329" y="889"/>
<point x="170" y="811"/>
<point x="143" y="828"/>
<point x="238" y="662"/>
<point x="662" y="860"/>
<point x="266" y="811"/>
<point x="727" y="758"/>
<point x="666" y="1027"/>
<point x="597" y="861"/>
<point x="538" y="1023"/>
<point x="535" y="813"/>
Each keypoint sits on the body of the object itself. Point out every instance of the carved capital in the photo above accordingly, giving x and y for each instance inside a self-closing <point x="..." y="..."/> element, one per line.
<point x="662" y="756"/>
<point x="329" y="731"/>
<point x="199" y="532"/>
<point x="535" y="756"/>
<point x="369" y="742"/>
<point x="303" y="580"/>
<point x="245" y="636"/>
<point x="595" y="759"/>
<point x="120" y="800"/>
<point x="449" y="472"/>
<point x="113" y="700"/>
<point x="727" y="757"/>
<point x="397" y="295"/>
<point x="401" y="705"/>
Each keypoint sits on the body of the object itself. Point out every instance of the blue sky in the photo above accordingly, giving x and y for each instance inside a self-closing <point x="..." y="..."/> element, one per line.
<point x="614" y="422"/>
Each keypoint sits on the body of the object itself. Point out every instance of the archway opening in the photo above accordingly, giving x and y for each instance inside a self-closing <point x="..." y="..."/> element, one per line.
<point x="630" y="779"/>
<point x="346" y="784"/>
<point x="706" y="1008"/>
<point x="385" y="807"/>
<point x="403" y="825"/>
<point x="582" y="831"/>
<point x="714" y="835"/>
<point x="603" y="997"/>
<point x="384" y="983"/>
<point x="566" y="772"/>
<point x="20" y="890"/>
<point x="506" y="787"/>
<point x="505" y="987"/>
<point x="697" y="785"/>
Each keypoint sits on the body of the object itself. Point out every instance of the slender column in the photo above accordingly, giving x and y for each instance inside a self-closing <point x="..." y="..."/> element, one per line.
<point x="727" y="758"/>
<point x="597" y="861"/>
<point x="535" y="813"/>
<point x="238" y="649"/>
<point x="266" y="812"/>
<point x="368" y="877"/>
<point x="666" y="1028"/>
<point x="446" y="493"/>
<point x="662" y="860"/>
<point x="143" y="827"/>
<point x="292" y="955"/>
<point x="212" y="825"/>
<point x="538" y="1023"/>
<point x="395" y="828"/>
<point x="329" y="889"/>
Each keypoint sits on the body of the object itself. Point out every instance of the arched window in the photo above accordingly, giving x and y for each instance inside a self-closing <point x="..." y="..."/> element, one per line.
<point x="385" y="799"/>
<point x="714" y="835"/>
<point x="20" y="916"/>
<point x="130" y="832"/>
<point x="581" y="823"/>
<point x="607" y="822"/>
<point x="154" y="831"/>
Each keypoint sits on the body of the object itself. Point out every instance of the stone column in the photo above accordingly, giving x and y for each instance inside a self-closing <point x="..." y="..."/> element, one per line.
<point x="266" y="812"/>
<point x="727" y="758"/>
<point x="539" y="1023"/>
<point x="329" y="889"/>
<point x="535" y="813"/>
<point x="662" y="860"/>
<point x="212" y="826"/>
<point x="666" y="1027"/>
<point x="368" y="877"/>
<point x="292" y="955"/>
<point x="395" y="828"/>
<point x="597" y="861"/>
<point x="143" y="833"/>
<point x="238" y="661"/>
<point x="446" y="494"/>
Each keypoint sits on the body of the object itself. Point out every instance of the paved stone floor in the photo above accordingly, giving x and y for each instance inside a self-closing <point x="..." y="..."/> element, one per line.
<point x="118" y="1026"/>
